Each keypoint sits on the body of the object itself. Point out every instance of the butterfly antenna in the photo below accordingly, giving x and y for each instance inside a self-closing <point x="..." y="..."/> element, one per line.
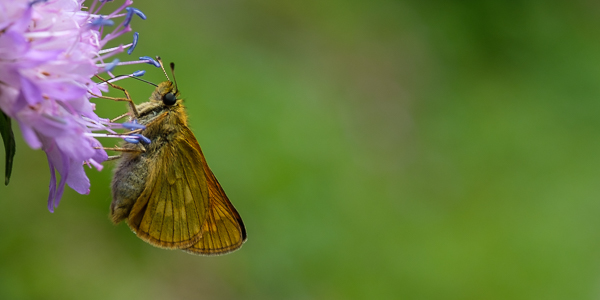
<point x="162" y="67"/>
<point x="127" y="76"/>
<point x="146" y="81"/>
<point x="172" y="65"/>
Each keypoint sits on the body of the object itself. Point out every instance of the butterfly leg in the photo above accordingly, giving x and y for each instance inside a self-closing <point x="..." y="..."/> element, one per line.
<point x="113" y="157"/>
<point x="126" y="99"/>
<point x="127" y="114"/>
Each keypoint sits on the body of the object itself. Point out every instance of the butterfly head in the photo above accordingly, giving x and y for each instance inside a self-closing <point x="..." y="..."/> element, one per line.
<point x="166" y="93"/>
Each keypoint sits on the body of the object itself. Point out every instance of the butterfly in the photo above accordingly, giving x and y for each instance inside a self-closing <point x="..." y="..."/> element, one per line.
<point x="163" y="188"/>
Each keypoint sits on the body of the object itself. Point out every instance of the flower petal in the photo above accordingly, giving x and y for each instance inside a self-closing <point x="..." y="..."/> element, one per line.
<point x="77" y="179"/>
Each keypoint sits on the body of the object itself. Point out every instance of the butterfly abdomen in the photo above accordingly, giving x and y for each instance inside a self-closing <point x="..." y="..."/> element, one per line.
<point x="127" y="184"/>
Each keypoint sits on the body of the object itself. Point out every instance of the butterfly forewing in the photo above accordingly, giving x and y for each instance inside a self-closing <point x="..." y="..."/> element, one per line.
<point x="170" y="210"/>
<point x="222" y="232"/>
<point x="222" y="229"/>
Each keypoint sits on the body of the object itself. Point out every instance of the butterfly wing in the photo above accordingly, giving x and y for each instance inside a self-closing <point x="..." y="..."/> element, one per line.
<point x="170" y="211"/>
<point x="222" y="230"/>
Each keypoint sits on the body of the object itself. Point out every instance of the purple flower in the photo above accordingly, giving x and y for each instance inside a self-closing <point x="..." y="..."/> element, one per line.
<point x="49" y="52"/>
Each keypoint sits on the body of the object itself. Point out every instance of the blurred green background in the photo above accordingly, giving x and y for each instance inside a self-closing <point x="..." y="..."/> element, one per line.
<point x="375" y="150"/>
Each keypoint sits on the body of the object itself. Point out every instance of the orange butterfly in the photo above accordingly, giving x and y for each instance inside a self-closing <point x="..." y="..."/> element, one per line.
<point x="164" y="188"/>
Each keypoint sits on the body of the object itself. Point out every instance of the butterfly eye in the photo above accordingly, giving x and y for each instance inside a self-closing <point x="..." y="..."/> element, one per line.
<point x="169" y="99"/>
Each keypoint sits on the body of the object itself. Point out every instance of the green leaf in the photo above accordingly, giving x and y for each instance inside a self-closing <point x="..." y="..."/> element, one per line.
<point x="9" y="144"/>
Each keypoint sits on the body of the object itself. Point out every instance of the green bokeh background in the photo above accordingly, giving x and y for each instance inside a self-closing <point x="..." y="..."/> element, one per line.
<point x="375" y="149"/>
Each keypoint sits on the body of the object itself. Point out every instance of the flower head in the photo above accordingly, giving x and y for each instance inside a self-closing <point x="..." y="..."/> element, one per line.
<point x="49" y="52"/>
